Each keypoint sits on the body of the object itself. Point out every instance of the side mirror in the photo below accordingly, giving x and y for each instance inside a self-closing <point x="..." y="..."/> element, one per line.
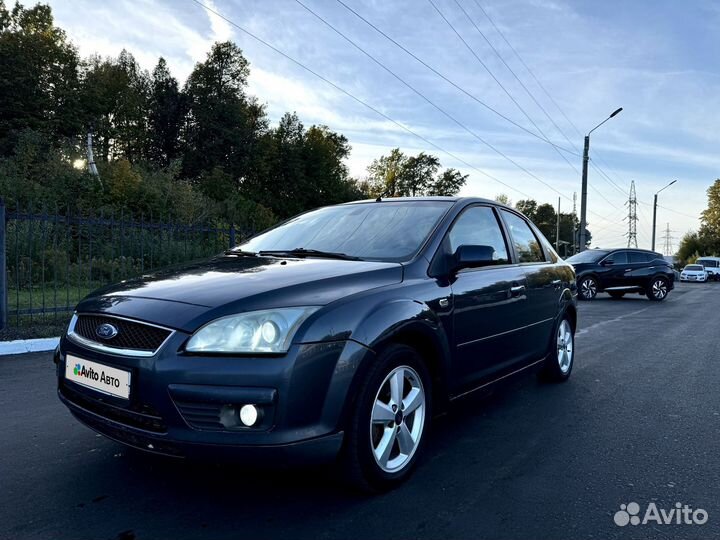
<point x="607" y="262"/>
<point x="473" y="257"/>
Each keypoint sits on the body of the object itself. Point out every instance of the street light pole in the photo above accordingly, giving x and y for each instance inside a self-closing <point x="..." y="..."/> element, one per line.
<point x="583" y="192"/>
<point x="655" y="212"/>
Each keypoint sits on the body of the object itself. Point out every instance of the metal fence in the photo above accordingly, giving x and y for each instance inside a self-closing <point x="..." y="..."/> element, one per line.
<point x="53" y="259"/>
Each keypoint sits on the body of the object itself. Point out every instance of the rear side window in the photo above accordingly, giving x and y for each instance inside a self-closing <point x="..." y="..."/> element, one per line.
<point x="526" y="243"/>
<point x="478" y="226"/>
<point x="639" y="257"/>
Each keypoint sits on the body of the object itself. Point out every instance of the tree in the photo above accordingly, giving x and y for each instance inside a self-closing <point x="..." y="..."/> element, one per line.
<point x="448" y="183"/>
<point x="223" y="124"/>
<point x="398" y="175"/>
<point x="384" y="174"/>
<point x="115" y="94"/>
<point x="38" y="76"/>
<point x="503" y="199"/>
<point x="165" y="112"/>
<point x="417" y="175"/>
<point x="527" y="207"/>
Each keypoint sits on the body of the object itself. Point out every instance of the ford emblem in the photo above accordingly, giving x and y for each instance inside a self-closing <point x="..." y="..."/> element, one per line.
<point x="106" y="331"/>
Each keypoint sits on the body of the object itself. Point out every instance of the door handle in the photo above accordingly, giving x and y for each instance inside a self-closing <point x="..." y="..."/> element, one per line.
<point x="556" y="283"/>
<point x="517" y="290"/>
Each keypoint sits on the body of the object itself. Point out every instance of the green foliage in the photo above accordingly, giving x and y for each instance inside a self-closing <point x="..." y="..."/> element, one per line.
<point x="706" y="241"/>
<point x="398" y="175"/>
<point x="544" y="216"/>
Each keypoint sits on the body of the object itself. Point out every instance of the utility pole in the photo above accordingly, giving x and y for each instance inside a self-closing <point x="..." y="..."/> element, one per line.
<point x="632" y="217"/>
<point x="557" y="229"/>
<point x="574" y="217"/>
<point x="583" y="193"/>
<point x="655" y="212"/>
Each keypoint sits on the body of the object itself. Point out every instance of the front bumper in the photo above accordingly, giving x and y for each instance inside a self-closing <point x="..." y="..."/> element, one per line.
<point x="186" y="405"/>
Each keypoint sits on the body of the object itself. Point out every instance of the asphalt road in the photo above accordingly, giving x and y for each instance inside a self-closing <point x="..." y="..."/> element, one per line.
<point x="637" y="422"/>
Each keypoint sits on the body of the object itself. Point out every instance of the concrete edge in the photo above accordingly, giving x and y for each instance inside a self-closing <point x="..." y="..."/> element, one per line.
<point x="20" y="346"/>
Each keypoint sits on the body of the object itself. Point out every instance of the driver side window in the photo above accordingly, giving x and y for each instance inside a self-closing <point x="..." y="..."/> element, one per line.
<point x="478" y="226"/>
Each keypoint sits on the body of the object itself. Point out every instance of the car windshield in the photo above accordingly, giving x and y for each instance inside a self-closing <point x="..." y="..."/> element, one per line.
<point x="708" y="263"/>
<point x="589" y="256"/>
<point x="694" y="268"/>
<point x="382" y="231"/>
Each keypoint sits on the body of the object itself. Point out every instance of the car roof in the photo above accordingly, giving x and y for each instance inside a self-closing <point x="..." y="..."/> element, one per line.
<point x="434" y="198"/>
<point x="640" y="250"/>
<point x="708" y="259"/>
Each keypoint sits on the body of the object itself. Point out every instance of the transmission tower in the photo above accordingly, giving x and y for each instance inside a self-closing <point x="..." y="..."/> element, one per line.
<point x="632" y="217"/>
<point x="668" y="246"/>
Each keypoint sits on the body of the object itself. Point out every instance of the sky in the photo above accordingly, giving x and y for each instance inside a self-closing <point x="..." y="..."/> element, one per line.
<point x="513" y="130"/>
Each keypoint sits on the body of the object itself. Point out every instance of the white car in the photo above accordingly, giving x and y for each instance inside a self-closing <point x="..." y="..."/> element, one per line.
<point x="712" y="266"/>
<point x="694" y="272"/>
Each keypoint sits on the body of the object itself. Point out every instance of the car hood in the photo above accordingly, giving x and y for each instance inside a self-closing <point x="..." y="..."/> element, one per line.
<point x="187" y="296"/>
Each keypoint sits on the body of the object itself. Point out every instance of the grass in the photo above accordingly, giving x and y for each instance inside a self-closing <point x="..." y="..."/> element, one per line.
<point x="40" y="325"/>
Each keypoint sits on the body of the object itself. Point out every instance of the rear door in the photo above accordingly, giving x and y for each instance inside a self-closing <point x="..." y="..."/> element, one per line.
<point x="543" y="281"/>
<point x="489" y="303"/>
<point x="640" y="268"/>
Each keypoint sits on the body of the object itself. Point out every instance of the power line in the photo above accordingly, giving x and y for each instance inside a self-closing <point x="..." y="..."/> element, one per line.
<point x="532" y="96"/>
<point x="532" y="74"/>
<point x="451" y="82"/>
<point x="467" y="15"/>
<point x="429" y="101"/>
<point x="509" y="95"/>
<point x="357" y="99"/>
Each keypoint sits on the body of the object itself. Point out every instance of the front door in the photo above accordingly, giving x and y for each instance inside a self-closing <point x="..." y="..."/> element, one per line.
<point x="489" y="303"/>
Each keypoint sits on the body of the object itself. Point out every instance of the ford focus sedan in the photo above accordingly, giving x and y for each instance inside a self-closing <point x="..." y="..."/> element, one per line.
<point x="339" y="333"/>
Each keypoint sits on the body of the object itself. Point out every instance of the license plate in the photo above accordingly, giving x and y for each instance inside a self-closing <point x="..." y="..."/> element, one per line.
<point x="105" y="379"/>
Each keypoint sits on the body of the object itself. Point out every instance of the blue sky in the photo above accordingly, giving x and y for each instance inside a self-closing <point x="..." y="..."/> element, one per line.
<point x="656" y="59"/>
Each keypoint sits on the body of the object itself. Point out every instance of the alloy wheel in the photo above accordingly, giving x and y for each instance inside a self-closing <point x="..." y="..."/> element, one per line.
<point x="397" y="419"/>
<point x="565" y="346"/>
<point x="659" y="289"/>
<point x="588" y="288"/>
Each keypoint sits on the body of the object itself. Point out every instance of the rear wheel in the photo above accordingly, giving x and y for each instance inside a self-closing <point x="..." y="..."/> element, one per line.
<point x="588" y="288"/>
<point x="559" y="362"/>
<point x="616" y="294"/>
<point x="658" y="289"/>
<point x="389" y="422"/>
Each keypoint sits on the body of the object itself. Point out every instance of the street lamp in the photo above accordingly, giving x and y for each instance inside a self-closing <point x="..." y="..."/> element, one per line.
<point x="655" y="212"/>
<point x="583" y="196"/>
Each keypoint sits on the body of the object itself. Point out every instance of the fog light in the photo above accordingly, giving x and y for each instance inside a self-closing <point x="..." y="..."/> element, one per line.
<point x="248" y="415"/>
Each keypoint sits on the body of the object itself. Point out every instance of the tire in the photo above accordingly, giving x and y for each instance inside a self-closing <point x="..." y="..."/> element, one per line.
<point x="616" y="295"/>
<point x="658" y="289"/>
<point x="364" y="464"/>
<point x="587" y="288"/>
<point x="559" y="363"/>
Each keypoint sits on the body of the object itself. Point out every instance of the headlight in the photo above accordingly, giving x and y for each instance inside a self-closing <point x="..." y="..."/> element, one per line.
<point x="266" y="331"/>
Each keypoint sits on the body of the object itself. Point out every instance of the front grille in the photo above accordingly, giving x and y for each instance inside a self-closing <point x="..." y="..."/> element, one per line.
<point x="138" y="415"/>
<point x="131" y="335"/>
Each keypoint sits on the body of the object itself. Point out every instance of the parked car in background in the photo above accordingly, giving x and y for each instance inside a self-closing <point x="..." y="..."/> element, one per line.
<point x="711" y="265"/>
<point x="622" y="271"/>
<point x="694" y="272"/>
<point x="340" y="331"/>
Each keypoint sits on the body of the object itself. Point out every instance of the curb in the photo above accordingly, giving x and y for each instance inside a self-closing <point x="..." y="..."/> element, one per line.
<point x="21" y="346"/>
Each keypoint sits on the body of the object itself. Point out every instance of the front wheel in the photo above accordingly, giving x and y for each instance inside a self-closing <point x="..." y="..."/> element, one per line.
<point x="588" y="288"/>
<point x="559" y="362"/>
<point x="389" y="423"/>
<point x="658" y="289"/>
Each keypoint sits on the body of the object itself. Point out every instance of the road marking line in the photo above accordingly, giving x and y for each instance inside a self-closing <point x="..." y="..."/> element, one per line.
<point x="601" y="323"/>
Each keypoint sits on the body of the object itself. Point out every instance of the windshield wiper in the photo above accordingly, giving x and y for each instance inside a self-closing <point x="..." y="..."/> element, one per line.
<point x="302" y="252"/>
<point x="240" y="253"/>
